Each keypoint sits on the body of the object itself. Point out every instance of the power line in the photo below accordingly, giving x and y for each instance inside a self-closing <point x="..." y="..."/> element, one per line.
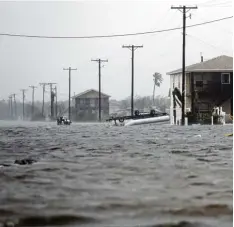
<point x="204" y="42"/>
<point x="217" y="4"/>
<point x="115" y="35"/>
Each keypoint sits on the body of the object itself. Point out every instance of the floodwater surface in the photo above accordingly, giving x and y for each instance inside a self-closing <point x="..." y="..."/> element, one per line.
<point x="96" y="175"/>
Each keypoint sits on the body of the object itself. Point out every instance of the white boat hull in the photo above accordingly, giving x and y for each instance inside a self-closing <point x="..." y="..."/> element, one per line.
<point x="150" y="120"/>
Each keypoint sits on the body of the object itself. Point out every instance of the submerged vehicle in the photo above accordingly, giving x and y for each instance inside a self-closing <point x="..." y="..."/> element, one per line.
<point x="63" y="121"/>
<point x="140" y="118"/>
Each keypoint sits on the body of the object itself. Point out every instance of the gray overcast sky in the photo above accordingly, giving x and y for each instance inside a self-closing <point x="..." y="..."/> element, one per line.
<point x="29" y="61"/>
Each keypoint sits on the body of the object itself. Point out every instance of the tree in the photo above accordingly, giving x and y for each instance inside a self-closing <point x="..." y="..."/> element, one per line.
<point x="61" y="108"/>
<point x="157" y="78"/>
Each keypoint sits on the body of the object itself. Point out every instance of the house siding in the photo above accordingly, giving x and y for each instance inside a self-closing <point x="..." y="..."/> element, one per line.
<point x="211" y="92"/>
<point x="176" y="81"/>
<point x="86" y="106"/>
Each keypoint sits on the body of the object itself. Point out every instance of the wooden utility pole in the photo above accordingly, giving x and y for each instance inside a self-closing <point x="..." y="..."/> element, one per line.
<point x="10" y="105"/>
<point x="56" y="102"/>
<point x="184" y="10"/>
<point x="15" y="113"/>
<point x="43" y="97"/>
<point x="23" y="95"/>
<point x="99" y="74"/>
<point x="69" y="95"/>
<point x="32" y="111"/>
<point x="132" y="48"/>
<point x="51" y="100"/>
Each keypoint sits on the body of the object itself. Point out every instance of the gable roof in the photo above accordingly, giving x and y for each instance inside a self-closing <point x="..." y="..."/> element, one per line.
<point x="89" y="91"/>
<point x="222" y="63"/>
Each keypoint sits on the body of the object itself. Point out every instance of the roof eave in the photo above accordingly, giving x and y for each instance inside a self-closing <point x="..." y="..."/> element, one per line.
<point x="200" y="70"/>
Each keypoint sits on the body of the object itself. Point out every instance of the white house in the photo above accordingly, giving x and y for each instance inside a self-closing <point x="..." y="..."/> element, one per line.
<point x="207" y="84"/>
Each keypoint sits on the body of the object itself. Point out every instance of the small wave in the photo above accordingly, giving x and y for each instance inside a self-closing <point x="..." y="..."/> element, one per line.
<point x="179" y="224"/>
<point x="191" y="176"/>
<point x="179" y="151"/>
<point x="50" y="220"/>
<point x="119" y="206"/>
<point x="211" y="210"/>
<point x="91" y="149"/>
<point x="207" y="160"/>
<point x="54" y="148"/>
<point x="202" y="184"/>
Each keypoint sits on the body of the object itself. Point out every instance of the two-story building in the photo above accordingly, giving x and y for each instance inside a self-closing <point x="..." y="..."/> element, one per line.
<point x="208" y="84"/>
<point x="86" y="106"/>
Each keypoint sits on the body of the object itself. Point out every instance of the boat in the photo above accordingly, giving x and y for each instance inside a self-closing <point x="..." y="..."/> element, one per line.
<point x="140" y="118"/>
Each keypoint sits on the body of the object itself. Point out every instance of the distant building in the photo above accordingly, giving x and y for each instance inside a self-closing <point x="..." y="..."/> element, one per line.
<point x="208" y="84"/>
<point x="86" y="106"/>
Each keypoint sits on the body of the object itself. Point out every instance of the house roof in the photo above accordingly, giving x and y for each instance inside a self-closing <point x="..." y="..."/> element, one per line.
<point x="89" y="91"/>
<point x="222" y="63"/>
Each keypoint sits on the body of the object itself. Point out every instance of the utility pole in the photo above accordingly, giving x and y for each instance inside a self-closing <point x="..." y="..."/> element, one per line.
<point x="69" y="96"/>
<point x="132" y="48"/>
<point x="56" y="102"/>
<point x="184" y="10"/>
<point x="10" y="105"/>
<point x="23" y="94"/>
<point x="15" y="105"/>
<point x="99" y="74"/>
<point x="43" y="97"/>
<point x="51" y="100"/>
<point x="33" y="88"/>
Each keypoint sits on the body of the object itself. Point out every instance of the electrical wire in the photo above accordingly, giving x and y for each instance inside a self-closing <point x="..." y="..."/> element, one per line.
<point x="111" y="36"/>
<point x="204" y="42"/>
<point x="214" y="4"/>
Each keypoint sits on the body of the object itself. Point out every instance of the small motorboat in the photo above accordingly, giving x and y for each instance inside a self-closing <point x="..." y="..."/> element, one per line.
<point x="140" y="118"/>
<point x="63" y="121"/>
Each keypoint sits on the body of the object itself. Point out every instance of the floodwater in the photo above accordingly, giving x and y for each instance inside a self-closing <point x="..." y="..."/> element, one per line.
<point x="96" y="175"/>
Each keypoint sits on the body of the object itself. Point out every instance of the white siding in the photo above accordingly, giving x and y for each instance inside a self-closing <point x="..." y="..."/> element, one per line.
<point x="176" y="81"/>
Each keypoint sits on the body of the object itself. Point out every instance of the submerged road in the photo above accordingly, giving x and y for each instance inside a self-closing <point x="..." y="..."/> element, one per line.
<point x="95" y="175"/>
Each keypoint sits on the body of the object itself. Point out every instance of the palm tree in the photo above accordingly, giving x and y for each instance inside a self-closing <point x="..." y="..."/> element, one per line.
<point x="157" y="78"/>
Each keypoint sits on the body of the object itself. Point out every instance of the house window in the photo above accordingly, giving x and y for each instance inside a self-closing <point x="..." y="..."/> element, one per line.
<point x="92" y="101"/>
<point x="199" y="83"/>
<point x="81" y="101"/>
<point x="87" y="101"/>
<point x="225" y="78"/>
